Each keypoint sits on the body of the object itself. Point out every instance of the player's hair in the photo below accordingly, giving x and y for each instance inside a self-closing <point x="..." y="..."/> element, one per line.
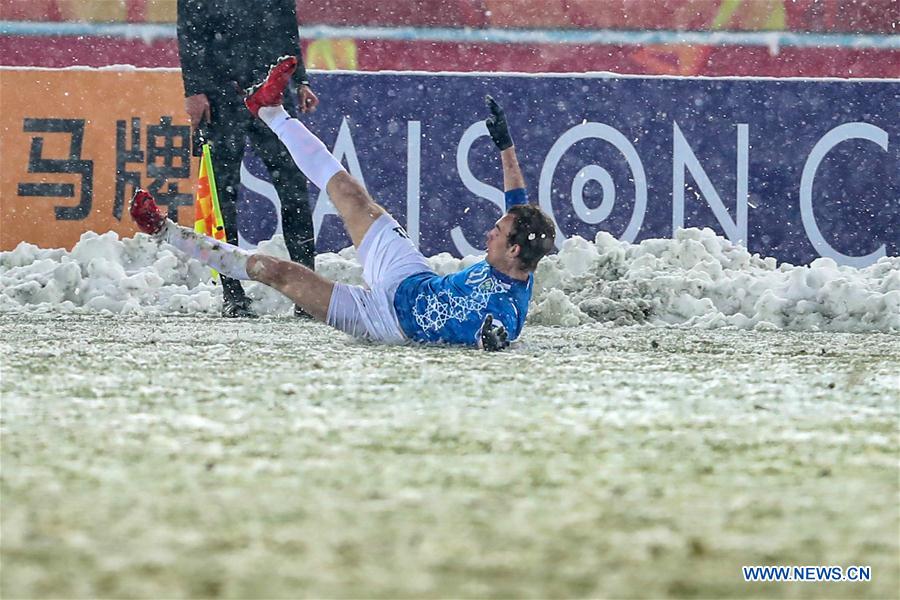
<point x="534" y="232"/>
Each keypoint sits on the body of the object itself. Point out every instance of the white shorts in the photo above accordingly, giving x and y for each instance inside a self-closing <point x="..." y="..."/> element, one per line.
<point x="388" y="257"/>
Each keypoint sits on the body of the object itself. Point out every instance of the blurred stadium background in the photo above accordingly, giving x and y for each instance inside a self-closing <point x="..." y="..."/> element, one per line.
<point x="779" y="38"/>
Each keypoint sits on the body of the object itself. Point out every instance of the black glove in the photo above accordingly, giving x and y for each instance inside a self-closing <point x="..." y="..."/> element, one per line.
<point x="497" y="126"/>
<point x="493" y="335"/>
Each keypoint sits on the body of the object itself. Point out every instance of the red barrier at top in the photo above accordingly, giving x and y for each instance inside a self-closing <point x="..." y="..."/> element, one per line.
<point x="381" y="55"/>
<point x="850" y="16"/>
<point x="822" y="16"/>
<point x="393" y="13"/>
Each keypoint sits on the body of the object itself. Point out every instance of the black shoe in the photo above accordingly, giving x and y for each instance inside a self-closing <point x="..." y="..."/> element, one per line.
<point x="300" y="313"/>
<point x="238" y="309"/>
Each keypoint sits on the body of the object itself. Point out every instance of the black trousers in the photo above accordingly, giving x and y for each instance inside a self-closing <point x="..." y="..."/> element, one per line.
<point x="230" y="123"/>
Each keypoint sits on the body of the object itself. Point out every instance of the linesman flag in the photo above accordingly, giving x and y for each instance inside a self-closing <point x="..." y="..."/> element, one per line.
<point x="207" y="214"/>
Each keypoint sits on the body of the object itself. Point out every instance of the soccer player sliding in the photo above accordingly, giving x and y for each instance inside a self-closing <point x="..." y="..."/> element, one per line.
<point x="482" y="306"/>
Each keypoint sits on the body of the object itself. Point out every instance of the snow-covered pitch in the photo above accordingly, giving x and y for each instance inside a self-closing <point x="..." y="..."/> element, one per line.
<point x="674" y="410"/>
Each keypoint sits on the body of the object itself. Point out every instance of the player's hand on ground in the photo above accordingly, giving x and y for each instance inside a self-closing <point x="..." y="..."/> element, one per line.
<point x="497" y="126"/>
<point x="494" y="336"/>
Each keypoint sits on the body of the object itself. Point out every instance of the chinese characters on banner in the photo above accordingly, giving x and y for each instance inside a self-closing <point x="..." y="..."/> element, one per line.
<point x="74" y="164"/>
<point x="76" y="144"/>
<point x="165" y="157"/>
<point x="161" y="153"/>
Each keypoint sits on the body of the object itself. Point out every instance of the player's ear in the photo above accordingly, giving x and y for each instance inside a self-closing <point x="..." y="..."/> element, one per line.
<point x="514" y="250"/>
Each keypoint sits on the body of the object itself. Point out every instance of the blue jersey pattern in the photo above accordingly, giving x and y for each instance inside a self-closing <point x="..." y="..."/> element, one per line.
<point x="452" y="308"/>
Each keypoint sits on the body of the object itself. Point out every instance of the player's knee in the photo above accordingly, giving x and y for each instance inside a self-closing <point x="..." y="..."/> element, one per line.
<point x="352" y="194"/>
<point x="266" y="269"/>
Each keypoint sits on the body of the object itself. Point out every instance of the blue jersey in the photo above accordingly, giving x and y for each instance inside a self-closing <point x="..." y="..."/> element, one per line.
<point x="452" y="308"/>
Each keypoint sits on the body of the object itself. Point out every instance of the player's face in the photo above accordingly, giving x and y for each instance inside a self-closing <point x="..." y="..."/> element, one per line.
<point x="497" y="241"/>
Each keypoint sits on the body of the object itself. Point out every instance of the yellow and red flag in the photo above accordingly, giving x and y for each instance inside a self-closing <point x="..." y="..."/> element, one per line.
<point x="207" y="215"/>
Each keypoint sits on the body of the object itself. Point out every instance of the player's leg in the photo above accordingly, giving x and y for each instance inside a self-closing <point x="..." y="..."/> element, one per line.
<point x="302" y="285"/>
<point x="290" y="183"/>
<point x="306" y="288"/>
<point x="356" y="207"/>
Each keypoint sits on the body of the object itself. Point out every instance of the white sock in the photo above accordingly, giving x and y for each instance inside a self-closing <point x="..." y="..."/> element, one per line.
<point x="308" y="151"/>
<point x="228" y="260"/>
<point x="273" y="114"/>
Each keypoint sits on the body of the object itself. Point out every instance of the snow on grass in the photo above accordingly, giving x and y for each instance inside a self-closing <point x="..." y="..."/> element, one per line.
<point x="589" y="461"/>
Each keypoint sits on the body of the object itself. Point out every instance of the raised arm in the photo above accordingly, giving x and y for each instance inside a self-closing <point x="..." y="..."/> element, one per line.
<point x="513" y="181"/>
<point x="512" y="175"/>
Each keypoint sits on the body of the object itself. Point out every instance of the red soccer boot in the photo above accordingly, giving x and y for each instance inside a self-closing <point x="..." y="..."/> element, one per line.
<point x="271" y="91"/>
<point x="146" y="213"/>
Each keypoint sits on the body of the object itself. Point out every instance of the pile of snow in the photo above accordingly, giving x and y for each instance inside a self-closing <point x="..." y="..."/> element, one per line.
<point x="696" y="279"/>
<point x="703" y="280"/>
